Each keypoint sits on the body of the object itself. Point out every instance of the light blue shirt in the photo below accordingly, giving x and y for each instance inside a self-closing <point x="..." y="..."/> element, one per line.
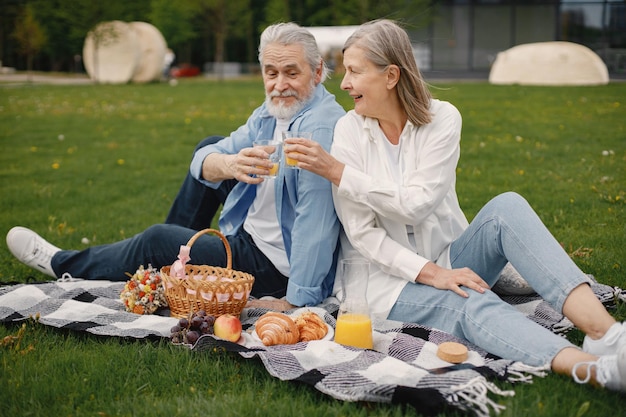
<point x="304" y="203"/>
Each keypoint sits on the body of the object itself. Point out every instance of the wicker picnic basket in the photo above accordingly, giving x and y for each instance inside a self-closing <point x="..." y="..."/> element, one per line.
<point x="200" y="290"/>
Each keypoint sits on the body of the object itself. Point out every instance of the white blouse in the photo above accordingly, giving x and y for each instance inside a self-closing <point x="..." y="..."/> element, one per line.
<point x="378" y="212"/>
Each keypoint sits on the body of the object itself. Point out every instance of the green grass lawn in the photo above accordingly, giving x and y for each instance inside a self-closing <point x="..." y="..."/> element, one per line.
<point x="101" y="163"/>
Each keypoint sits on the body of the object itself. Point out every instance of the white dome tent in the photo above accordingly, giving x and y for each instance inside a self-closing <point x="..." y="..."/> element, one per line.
<point x="152" y="56"/>
<point x="555" y="63"/>
<point x="117" y="52"/>
<point x="331" y="38"/>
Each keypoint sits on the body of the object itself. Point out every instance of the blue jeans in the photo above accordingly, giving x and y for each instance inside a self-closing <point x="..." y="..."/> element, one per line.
<point x="506" y="229"/>
<point x="196" y="204"/>
<point x="159" y="245"/>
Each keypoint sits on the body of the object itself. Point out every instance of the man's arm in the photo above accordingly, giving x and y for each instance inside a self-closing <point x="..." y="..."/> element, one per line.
<point x="218" y="167"/>
<point x="240" y="166"/>
<point x="232" y="157"/>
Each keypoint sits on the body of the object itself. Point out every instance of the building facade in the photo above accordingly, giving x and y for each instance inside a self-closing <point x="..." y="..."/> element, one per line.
<point x="466" y="35"/>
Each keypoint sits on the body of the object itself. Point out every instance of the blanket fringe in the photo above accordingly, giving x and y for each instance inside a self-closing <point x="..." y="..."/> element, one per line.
<point x="563" y="326"/>
<point x="67" y="277"/>
<point x="520" y="372"/>
<point x="473" y="395"/>
<point x="619" y="294"/>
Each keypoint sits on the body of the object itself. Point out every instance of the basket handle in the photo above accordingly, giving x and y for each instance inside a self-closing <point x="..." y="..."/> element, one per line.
<point x="229" y="255"/>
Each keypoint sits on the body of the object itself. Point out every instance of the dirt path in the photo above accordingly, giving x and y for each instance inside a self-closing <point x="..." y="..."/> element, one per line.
<point x="38" y="78"/>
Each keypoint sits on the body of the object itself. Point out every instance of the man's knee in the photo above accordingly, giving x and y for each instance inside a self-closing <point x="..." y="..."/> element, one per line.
<point x="157" y="232"/>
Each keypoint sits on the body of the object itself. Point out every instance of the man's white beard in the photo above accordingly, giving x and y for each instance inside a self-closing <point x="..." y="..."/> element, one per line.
<point x="280" y="110"/>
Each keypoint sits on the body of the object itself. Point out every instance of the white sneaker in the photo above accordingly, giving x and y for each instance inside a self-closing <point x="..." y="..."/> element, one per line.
<point x="608" y="344"/>
<point x="610" y="371"/>
<point x="30" y="248"/>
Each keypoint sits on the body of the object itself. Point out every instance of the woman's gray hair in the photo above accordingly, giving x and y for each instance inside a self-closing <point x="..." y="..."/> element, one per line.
<point x="289" y="34"/>
<point x="386" y="43"/>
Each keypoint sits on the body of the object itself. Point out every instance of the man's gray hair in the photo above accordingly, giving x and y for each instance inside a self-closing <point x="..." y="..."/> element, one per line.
<point x="289" y="34"/>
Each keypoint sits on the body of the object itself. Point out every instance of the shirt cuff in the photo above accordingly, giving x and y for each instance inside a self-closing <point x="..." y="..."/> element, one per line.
<point x="303" y="296"/>
<point x="195" y="168"/>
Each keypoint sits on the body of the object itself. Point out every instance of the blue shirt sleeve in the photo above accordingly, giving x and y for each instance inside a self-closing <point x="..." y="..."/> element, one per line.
<point x="241" y="138"/>
<point x="314" y="237"/>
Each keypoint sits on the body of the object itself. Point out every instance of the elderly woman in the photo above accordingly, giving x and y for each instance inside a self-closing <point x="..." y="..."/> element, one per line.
<point x="393" y="164"/>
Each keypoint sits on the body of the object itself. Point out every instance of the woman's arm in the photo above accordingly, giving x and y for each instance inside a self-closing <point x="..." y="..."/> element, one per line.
<point x="429" y="159"/>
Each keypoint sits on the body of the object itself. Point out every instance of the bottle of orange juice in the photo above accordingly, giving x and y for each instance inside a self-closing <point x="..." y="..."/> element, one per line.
<point x="354" y="325"/>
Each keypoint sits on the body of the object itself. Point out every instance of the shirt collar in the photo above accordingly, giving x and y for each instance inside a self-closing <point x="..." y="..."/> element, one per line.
<point x="371" y="125"/>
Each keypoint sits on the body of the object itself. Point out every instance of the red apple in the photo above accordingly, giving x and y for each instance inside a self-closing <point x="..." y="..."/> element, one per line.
<point x="227" y="327"/>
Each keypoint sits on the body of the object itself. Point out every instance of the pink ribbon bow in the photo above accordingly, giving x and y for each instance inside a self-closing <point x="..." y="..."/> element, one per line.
<point x="178" y="267"/>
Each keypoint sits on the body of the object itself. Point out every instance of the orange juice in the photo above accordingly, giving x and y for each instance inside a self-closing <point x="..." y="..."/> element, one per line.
<point x="354" y="330"/>
<point x="290" y="161"/>
<point x="274" y="169"/>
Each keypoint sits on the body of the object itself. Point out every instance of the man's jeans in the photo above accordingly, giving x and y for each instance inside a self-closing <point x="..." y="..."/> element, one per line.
<point x="196" y="204"/>
<point x="506" y="229"/>
<point x="159" y="245"/>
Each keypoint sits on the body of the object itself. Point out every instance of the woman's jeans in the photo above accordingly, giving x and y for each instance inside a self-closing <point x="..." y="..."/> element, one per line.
<point x="159" y="245"/>
<point x="506" y="229"/>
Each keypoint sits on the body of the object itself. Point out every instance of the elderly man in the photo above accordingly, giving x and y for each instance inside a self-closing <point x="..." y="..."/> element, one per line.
<point x="284" y="231"/>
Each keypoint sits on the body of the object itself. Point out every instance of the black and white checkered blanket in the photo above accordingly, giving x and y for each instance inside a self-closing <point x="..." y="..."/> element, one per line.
<point x="402" y="367"/>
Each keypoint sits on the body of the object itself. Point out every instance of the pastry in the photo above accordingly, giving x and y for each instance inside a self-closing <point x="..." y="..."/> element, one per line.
<point x="276" y="329"/>
<point x="311" y="326"/>
<point x="452" y="352"/>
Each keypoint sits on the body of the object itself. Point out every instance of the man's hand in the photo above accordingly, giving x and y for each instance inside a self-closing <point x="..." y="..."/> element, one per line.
<point x="451" y="279"/>
<point x="241" y="166"/>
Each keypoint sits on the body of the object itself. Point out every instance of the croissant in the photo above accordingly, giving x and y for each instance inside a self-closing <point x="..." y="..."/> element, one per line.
<point x="311" y="326"/>
<point x="277" y="329"/>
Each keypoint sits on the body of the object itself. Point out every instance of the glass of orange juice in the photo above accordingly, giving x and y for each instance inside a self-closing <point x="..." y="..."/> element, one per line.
<point x="272" y="147"/>
<point x="354" y="324"/>
<point x="290" y="162"/>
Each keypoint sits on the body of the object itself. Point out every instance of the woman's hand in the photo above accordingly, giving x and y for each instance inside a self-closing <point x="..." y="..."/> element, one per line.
<point x="312" y="157"/>
<point x="451" y="279"/>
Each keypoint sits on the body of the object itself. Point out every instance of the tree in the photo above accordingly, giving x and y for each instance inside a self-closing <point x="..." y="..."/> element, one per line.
<point x="224" y="19"/>
<point x="345" y="12"/>
<point x="199" y="30"/>
<point x="276" y="11"/>
<point x="29" y="35"/>
<point x="174" y="20"/>
<point x="67" y="23"/>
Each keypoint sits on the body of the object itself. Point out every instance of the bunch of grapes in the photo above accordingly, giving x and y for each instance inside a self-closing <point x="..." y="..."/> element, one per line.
<point x="189" y="329"/>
